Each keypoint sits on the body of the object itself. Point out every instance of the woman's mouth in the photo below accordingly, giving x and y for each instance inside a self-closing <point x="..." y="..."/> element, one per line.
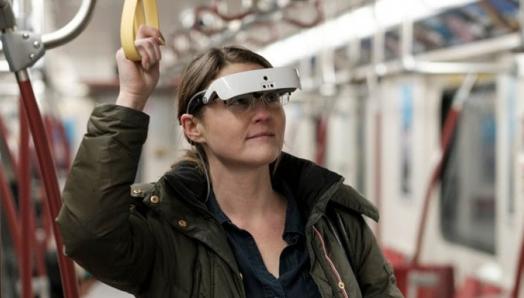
<point x="261" y="135"/>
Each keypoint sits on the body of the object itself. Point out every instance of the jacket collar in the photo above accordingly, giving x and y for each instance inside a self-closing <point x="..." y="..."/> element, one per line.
<point x="312" y="186"/>
<point x="308" y="182"/>
<point x="315" y="187"/>
<point x="183" y="192"/>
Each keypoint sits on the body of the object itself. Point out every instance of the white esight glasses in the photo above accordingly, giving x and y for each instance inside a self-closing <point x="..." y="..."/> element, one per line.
<point x="281" y="80"/>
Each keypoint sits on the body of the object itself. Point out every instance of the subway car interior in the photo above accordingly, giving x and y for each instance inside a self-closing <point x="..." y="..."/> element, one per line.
<point x="414" y="102"/>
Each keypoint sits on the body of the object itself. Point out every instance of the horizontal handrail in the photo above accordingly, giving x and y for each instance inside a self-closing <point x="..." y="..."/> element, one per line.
<point x="71" y="29"/>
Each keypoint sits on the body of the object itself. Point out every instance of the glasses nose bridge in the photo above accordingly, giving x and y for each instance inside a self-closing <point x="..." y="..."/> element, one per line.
<point x="255" y="100"/>
<point x="257" y="104"/>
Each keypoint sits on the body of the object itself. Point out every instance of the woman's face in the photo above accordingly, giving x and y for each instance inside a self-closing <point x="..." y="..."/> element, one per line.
<point x="242" y="137"/>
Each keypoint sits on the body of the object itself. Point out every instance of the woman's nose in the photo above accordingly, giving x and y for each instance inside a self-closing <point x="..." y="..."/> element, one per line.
<point x="261" y="111"/>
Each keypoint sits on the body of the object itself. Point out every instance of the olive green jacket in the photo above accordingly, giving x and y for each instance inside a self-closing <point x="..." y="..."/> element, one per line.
<point x="159" y="239"/>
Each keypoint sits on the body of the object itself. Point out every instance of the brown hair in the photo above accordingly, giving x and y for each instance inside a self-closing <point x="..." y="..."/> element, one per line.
<point x="199" y="74"/>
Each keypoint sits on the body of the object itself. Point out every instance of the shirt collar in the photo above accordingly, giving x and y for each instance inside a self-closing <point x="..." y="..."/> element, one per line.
<point x="294" y="222"/>
<point x="215" y="209"/>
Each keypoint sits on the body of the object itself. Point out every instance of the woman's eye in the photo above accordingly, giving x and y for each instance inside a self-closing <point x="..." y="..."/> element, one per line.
<point x="272" y="97"/>
<point x="241" y="101"/>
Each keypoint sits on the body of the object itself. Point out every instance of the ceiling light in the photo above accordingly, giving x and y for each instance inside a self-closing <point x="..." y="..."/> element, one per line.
<point x="359" y="23"/>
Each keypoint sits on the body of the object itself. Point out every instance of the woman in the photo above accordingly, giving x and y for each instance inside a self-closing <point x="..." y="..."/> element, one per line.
<point x="236" y="218"/>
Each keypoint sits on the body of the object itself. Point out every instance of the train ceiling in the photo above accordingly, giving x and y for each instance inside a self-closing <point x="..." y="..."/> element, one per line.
<point x="94" y="49"/>
<point x="282" y="30"/>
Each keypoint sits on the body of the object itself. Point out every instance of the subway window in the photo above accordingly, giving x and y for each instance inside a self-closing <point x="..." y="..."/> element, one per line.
<point x="467" y="195"/>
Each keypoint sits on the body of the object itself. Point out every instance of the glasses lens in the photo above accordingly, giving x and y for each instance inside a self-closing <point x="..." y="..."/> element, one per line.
<point x="271" y="98"/>
<point x="242" y="102"/>
<point x="284" y="98"/>
<point x="248" y="101"/>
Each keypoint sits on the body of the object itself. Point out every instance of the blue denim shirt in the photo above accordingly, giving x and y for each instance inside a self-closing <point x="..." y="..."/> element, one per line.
<point x="294" y="279"/>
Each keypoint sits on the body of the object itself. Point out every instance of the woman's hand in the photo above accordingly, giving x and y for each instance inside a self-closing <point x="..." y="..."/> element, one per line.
<point x="139" y="79"/>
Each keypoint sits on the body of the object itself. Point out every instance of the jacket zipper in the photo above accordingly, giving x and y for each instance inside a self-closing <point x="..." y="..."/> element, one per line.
<point x="340" y="283"/>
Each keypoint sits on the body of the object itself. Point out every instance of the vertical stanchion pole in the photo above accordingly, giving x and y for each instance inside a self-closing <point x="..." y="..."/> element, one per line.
<point x="518" y="275"/>
<point x="24" y="197"/>
<point x="48" y="174"/>
<point x="7" y="200"/>
<point x="8" y="208"/>
<point x="22" y="50"/>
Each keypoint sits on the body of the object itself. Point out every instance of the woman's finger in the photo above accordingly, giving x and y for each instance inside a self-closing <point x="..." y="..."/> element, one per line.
<point x="145" y="62"/>
<point x="120" y="54"/>
<point x="157" y="49"/>
<point x="146" y="31"/>
<point x="147" y="48"/>
<point x="145" y="57"/>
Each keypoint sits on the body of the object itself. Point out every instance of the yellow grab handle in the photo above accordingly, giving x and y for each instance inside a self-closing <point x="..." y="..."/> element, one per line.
<point x="134" y="14"/>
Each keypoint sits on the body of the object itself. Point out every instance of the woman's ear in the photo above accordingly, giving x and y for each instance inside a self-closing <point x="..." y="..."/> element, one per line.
<point x="192" y="128"/>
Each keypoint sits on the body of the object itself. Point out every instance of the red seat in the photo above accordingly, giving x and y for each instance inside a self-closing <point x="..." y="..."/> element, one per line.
<point x="425" y="281"/>
<point x="474" y="288"/>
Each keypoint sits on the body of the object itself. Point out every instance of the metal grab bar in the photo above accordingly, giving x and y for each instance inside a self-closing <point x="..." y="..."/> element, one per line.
<point x="8" y="204"/>
<point x="448" y="131"/>
<point x="6" y="20"/>
<point x="520" y="272"/>
<point x="25" y="206"/>
<point x="430" y="67"/>
<point x="71" y="29"/>
<point x="48" y="174"/>
<point x="22" y="48"/>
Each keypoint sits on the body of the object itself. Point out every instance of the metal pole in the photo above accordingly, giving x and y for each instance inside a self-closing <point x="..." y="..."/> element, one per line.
<point x="24" y="197"/>
<point x="73" y="28"/>
<point x="48" y="174"/>
<point x="448" y="131"/>
<point x="520" y="272"/>
<point x="23" y="49"/>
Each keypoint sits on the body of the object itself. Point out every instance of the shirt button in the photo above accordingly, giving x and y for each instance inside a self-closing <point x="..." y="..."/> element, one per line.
<point x="341" y="285"/>
<point x="154" y="199"/>
<point x="182" y="223"/>
<point x="241" y="276"/>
